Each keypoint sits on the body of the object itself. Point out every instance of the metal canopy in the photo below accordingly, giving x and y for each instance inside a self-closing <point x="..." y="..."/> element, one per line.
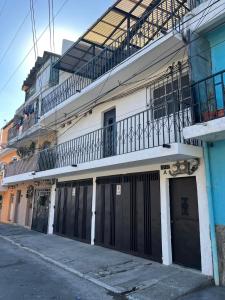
<point x="114" y="22"/>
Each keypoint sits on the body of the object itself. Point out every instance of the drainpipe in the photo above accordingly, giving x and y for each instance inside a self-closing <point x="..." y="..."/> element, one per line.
<point x="211" y="214"/>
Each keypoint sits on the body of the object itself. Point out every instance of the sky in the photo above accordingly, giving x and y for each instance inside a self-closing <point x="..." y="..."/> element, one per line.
<point x="16" y="56"/>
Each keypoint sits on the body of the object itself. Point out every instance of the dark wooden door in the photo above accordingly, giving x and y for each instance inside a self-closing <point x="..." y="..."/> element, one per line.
<point x="73" y="210"/>
<point x="185" y="222"/>
<point x="41" y="210"/>
<point x="109" y="134"/>
<point x="128" y="214"/>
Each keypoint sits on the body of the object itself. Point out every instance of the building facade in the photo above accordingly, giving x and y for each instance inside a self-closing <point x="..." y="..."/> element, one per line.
<point x="7" y="194"/>
<point x="210" y="117"/>
<point x="125" y="169"/>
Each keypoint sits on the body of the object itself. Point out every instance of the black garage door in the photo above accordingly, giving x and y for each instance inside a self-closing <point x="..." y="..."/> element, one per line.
<point x="73" y="210"/>
<point x="128" y="214"/>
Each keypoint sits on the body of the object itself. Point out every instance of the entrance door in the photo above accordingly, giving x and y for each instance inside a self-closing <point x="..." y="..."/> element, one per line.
<point x="28" y="211"/>
<point x="73" y="210"/>
<point x="10" y="216"/>
<point x="128" y="214"/>
<point x="185" y="222"/>
<point x="109" y="142"/>
<point x="17" y="203"/>
<point x="41" y="210"/>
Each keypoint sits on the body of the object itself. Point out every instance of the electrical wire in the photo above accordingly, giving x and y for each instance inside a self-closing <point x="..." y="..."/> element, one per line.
<point x="3" y="7"/>
<point x="53" y="25"/>
<point x="29" y="52"/>
<point x="86" y="106"/>
<point x="49" y="25"/>
<point x="150" y="66"/>
<point x="14" y="38"/>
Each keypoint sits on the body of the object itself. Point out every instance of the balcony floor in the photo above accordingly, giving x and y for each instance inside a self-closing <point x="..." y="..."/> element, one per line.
<point x="156" y="155"/>
<point x="210" y="131"/>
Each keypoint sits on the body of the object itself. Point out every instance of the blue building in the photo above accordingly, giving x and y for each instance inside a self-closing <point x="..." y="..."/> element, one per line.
<point x="207" y="57"/>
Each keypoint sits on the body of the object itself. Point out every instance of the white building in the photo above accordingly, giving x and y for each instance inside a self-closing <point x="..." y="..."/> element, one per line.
<point x="124" y="176"/>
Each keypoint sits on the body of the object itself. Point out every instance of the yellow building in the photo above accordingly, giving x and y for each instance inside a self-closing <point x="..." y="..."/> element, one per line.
<point x="7" y="155"/>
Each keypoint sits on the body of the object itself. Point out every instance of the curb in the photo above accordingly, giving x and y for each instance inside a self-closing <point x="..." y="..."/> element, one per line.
<point x="66" y="268"/>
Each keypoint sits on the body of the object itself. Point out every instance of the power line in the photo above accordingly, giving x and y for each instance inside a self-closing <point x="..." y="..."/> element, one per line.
<point x="49" y="25"/>
<point x="85" y="107"/>
<point x="157" y="40"/>
<point x="3" y="7"/>
<point x="53" y="25"/>
<point x="14" y="38"/>
<point x="28" y="53"/>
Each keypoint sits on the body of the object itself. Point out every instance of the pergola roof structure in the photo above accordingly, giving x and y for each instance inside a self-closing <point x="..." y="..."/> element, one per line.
<point x="109" y="27"/>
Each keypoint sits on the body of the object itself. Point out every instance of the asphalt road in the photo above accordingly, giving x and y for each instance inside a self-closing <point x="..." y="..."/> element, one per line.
<point x="25" y="276"/>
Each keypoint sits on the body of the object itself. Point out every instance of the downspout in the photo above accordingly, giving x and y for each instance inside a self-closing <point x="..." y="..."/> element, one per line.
<point x="211" y="214"/>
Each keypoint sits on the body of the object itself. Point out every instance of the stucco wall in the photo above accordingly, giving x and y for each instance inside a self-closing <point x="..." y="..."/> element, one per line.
<point x="217" y="163"/>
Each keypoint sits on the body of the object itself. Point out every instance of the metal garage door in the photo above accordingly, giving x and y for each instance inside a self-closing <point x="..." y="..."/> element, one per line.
<point x="73" y="210"/>
<point x="128" y="214"/>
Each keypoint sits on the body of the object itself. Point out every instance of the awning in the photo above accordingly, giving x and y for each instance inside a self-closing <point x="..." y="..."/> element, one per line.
<point x="114" y="22"/>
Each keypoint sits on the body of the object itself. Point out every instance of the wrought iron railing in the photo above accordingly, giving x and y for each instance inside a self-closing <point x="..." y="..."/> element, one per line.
<point x="13" y="132"/>
<point x="162" y="18"/>
<point x="27" y="123"/>
<point x="150" y="128"/>
<point x="209" y="98"/>
<point x="25" y="165"/>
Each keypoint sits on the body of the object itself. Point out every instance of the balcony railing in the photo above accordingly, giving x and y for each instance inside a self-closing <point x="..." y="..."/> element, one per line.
<point x="160" y="20"/>
<point x="150" y="128"/>
<point x="209" y="98"/>
<point x="18" y="130"/>
<point x="22" y="166"/>
<point x="13" y="132"/>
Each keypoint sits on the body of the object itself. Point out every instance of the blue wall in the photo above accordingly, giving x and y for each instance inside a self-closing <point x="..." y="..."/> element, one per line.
<point x="216" y="40"/>
<point x="217" y="166"/>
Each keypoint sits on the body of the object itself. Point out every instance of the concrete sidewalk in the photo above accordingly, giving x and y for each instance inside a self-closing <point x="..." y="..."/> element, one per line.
<point x="119" y="273"/>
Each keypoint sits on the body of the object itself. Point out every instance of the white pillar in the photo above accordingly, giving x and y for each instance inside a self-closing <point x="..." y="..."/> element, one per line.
<point x="203" y="210"/>
<point x="165" y="221"/>
<point x="51" y="209"/>
<point x="93" y="212"/>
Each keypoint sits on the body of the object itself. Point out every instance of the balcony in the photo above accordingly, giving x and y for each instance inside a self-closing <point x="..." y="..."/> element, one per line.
<point x="22" y="128"/>
<point x="208" y="122"/>
<point x="160" y="20"/>
<point x="25" y="165"/>
<point x="151" y="128"/>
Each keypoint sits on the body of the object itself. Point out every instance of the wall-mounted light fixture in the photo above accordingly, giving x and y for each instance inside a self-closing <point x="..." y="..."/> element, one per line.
<point x="184" y="167"/>
<point x="166" y="146"/>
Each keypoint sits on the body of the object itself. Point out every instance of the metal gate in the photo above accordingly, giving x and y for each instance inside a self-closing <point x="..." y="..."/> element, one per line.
<point x="73" y="210"/>
<point x="185" y="222"/>
<point x="128" y="214"/>
<point x="41" y="210"/>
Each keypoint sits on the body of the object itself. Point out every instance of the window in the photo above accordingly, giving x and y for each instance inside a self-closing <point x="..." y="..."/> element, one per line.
<point x="171" y="96"/>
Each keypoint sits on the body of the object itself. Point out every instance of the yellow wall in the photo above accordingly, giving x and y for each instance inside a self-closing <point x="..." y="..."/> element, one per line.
<point x="6" y="158"/>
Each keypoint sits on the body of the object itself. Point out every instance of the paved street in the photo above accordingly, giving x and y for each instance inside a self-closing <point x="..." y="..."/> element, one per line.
<point x="37" y="266"/>
<point x="24" y="277"/>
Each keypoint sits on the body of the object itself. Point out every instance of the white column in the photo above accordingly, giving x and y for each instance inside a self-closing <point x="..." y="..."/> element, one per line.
<point x="51" y="209"/>
<point x="205" y="241"/>
<point x="93" y="212"/>
<point x="165" y="221"/>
